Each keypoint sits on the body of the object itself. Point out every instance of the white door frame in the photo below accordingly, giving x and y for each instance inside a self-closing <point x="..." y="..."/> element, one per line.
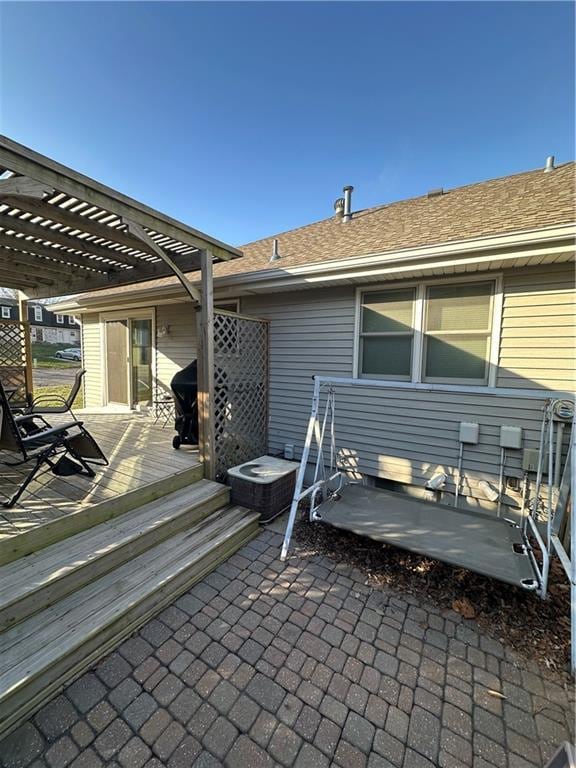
<point x="145" y="313"/>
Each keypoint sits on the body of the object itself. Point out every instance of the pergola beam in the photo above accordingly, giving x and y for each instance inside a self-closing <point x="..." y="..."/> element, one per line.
<point x="59" y="254"/>
<point x="24" y="161"/>
<point x="65" y="254"/>
<point x="15" y="284"/>
<point x="16" y="279"/>
<point x="148" y="248"/>
<point x="75" y="221"/>
<point x="23" y="186"/>
<point x="97" y="280"/>
<point x="136" y="230"/>
<point x="26" y="227"/>
<point x="35" y="265"/>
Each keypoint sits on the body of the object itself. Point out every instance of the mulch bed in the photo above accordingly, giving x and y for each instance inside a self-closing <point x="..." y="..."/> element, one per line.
<point x="537" y="629"/>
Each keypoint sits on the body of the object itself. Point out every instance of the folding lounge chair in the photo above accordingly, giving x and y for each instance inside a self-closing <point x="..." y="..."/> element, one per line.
<point x="66" y="447"/>
<point x="59" y="404"/>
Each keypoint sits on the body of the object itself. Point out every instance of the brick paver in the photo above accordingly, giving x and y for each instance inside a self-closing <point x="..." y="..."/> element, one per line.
<point x="301" y="663"/>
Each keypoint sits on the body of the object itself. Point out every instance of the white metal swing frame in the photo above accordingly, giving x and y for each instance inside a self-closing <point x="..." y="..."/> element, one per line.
<point x="549" y="543"/>
<point x="317" y="488"/>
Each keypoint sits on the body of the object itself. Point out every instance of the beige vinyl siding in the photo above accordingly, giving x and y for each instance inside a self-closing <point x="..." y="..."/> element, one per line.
<point x="92" y="360"/>
<point x="173" y="351"/>
<point x="176" y="349"/>
<point x="538" y="329"/>
<point x="399" y="434"/>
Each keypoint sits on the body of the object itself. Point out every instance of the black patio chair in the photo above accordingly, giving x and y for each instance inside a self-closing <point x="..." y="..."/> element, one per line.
<point x="40" y="405"/>
<point x="64" y="449"/>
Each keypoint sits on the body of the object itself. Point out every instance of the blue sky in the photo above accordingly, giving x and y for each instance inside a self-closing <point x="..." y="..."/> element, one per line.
<point x="246" y="119"/>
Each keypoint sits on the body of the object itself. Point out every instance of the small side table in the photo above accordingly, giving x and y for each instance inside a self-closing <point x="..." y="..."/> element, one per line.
<point x="163" y="410"/>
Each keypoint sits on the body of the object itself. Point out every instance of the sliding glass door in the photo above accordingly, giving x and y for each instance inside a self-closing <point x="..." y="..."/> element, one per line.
<point x="128" y="355"/>
<point x="116" y="359"/>
<point x="141" y="361"/>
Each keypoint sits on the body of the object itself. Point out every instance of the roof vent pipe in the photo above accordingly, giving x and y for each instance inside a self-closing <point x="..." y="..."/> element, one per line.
<point x="339" y="207"/>
<point x="549" y="164"/>
<point x="275" y="255"/>
<point x="347" y="203"/>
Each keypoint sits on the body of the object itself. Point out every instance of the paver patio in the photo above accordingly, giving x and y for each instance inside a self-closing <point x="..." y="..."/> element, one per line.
<point x="301" y="664"/>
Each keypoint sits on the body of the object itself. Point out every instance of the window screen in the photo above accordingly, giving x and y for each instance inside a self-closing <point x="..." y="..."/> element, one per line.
<point x="387" y="333"/>
<point x="457" y="332"/>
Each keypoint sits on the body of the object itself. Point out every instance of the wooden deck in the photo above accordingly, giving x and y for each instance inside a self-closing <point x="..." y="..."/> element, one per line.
<point x="139" y="451"/>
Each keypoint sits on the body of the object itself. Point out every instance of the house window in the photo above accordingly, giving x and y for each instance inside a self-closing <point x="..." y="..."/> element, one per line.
<point x="60" y="319"/>
<point x="387" y="334"/>
<point x="437" y="333"/>
<point x="457" y="333"/>
<point x="38" y="314"/>
<point x="228" y="306"/>
<point x="71" y="319"/>
<point x="5" y="313"/>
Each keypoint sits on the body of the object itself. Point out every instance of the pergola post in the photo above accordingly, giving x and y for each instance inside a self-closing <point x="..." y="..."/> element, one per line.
<point x="23" y="318"/>
<point x="205" y="352"/>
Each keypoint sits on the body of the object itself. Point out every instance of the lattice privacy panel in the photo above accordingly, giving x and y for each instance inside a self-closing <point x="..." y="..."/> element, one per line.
<point x="13" y="360"/>
<point x="240" y="389"/>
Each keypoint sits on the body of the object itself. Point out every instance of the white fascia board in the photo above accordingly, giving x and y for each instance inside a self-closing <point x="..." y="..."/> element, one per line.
<point x="397" y="263"/>
<point x="495" y="245"/>
<point x="168" y="294"/>
<point x="549" y="241"/>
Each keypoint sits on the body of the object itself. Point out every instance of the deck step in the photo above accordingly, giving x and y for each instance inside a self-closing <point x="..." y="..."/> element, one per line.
<point x="32" y="583"/>
<point x="51" y="648"/>
<point x="88" y="516"/>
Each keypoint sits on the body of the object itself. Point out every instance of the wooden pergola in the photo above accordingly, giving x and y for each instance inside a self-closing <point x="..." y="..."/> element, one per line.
<point x="62" y="232"/>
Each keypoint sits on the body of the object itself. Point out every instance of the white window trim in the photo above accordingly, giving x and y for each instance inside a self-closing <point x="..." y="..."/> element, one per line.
<point x="6" y="313"/>
<point x="38" y="314"/>
<point x="419" y="333"/>
<point x="376" y="334"/>
<point x="60" y="319"/>
<point x="219" y="302"/>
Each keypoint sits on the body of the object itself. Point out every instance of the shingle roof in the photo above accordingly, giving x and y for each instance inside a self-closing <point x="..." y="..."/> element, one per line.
<point x="526" y="201"/>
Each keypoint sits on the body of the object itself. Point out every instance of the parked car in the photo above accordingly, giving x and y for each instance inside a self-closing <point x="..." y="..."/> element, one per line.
<point x="72" y="353"/>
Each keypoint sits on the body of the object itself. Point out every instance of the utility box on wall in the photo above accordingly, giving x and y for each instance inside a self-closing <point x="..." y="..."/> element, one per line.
<point x="511" y="437"/>
<point x="469" y="431"/>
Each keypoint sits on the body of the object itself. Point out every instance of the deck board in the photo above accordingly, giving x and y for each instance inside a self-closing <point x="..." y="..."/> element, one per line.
<point x="139" y="451"/>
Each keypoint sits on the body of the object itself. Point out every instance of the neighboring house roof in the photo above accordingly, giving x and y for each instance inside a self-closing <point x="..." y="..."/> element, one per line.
<point x="48" y="316"/>
<point x="523" y="202"/>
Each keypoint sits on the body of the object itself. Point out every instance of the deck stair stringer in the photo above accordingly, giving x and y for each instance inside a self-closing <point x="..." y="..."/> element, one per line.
<point x="32" y="583"/>
<point x="47" y="651"/>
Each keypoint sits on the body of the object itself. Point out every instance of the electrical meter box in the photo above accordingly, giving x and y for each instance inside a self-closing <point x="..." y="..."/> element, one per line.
<point x="469" y="432"/>
<point x="530" y="460"/>
<point x="511" y="437"/>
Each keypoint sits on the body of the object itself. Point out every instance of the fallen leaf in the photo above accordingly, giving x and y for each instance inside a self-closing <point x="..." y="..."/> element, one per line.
<point x="464" y="607"/>
<point x="497" y="694"/>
